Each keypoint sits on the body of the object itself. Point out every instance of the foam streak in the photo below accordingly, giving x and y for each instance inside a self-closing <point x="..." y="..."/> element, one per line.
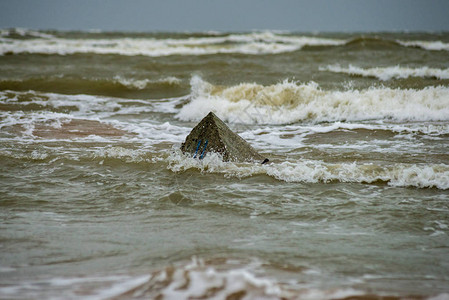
<point x="388" y="73"/>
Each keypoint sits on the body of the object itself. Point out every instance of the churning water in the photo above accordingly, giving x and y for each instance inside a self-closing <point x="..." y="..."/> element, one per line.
<point x="98" y="202"/>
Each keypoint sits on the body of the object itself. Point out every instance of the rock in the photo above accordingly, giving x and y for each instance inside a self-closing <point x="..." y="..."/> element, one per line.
<point x="212" y="135"/>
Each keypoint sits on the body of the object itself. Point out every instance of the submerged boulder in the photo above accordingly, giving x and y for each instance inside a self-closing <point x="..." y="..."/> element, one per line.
<point x="212" y="135"/>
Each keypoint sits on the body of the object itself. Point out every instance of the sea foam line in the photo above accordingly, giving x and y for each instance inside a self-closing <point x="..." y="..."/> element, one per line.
<point x="23" y="32"/>
<point x="427" y="45"/>
<point x="387" y="73"/>
<point x="141" y="84"/>
<point x="251" y="43"/>
<point x="197" y="280"/>
<point x="90" y="106"/>
<point x="248" y="43"/>
<point x="315" y="171"/>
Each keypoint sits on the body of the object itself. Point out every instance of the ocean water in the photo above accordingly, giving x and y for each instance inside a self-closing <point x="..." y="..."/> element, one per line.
<point x="97" y="201"/>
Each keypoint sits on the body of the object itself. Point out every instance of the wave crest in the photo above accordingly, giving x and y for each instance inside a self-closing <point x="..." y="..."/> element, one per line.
<point x="427" y="45"/>
<point x="249" y="43"/>
<point x="314" y="171"/>
<point x="387" y="73"/>
<point x="141" y="84"/>
<point x="19" y="40"/>
<point x="289" y="102"/>
<point x="372" y="42"/>
<point x="23" y="33"/>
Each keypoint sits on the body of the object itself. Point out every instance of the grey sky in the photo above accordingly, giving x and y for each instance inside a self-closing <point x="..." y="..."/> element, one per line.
<point x="227" y="15"/>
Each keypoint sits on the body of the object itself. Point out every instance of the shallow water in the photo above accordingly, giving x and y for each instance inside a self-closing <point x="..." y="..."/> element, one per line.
<point x="97" y="201"/>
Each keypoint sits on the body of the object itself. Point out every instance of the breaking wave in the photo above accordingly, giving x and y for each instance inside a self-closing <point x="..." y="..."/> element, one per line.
<point x="289" y="102"/>
<point x="24" y="33"/>
<point x="427" y="45"/>
<point x="141" y="84"/>
<point x="19" y="40"/>
<point x="384" y="43"/>
<point x="251" y="43"/>
<point x="315" y="171"/>
<point x="387" y="73"/>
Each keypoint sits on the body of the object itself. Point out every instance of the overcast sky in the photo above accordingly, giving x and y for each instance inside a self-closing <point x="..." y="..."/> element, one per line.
<point x="227" y="15"/>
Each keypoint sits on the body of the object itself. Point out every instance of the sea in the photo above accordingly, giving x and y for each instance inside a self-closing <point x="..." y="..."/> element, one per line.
<point x="98" y="202"/>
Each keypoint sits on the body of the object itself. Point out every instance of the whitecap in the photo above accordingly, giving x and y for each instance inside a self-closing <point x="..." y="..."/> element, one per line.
<point x="141" y="84"/>
<point x="289" y="102"/>
<point x="249" y="43"/>
<point x="388" y="73"/>
<point x="428" y="45"/>
<point x="317" y="171"/>
<point x="24" y="32"/>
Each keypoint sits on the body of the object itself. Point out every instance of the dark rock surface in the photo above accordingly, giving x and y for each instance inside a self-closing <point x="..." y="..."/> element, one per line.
<point x="213" y="135"/>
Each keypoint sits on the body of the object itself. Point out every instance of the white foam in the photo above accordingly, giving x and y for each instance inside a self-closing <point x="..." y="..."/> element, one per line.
<point x="315" y="171"/>
<point x="197" y="280"/>
<point x="29" y="120"/>
<point x="141" y="84"/>
<point x="146" y="134"/>
<point x="387" y="73"/>
<point x="428" y="45"/>
<point x="288" y="137"/>
<point x="81" y="105"/>
<point x="315" y="294"/>
<point x="91" y="106"/>
<point x="412" y="175"/>
<point x="411" y="128"/>
<point x="118" y="289"/>
<point x="290" y="102"/>
<point x="150" y="133"/>
<point x="69" y="287"/>
<point x="24" y="32"/>
<point x="251" y="43"/>
<point x="267" y="42"/>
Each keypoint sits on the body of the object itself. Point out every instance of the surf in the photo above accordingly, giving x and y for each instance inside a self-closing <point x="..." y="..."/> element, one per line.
<point x="388" y="73"/>
<point x="291" y="102"/>
<point x="253" y="43"/>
